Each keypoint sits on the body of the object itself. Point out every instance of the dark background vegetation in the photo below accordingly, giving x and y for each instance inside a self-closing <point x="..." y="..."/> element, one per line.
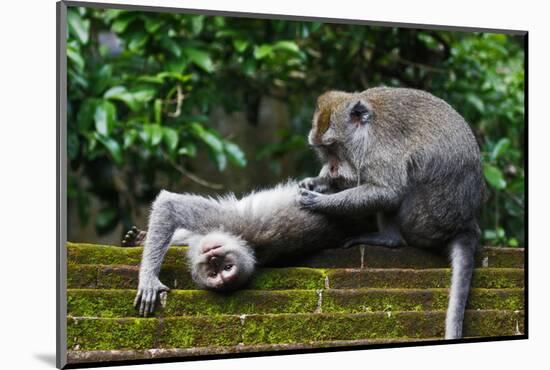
<point x="209" y="104"/>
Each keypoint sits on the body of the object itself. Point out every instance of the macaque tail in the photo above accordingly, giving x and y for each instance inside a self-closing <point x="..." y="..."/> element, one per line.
<point x="462" y="252"/>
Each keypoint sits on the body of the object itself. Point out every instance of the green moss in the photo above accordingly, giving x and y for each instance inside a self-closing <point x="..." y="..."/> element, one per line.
<point x="111" y="255"/>
<point x="201" y="332"/>
<point x="304" y="328"/>
<point x="118" y="303"/>
<point x="503" y="257"/>
<point x="184" y="332"/>
<point x="81" y="276"/>
<point x="373" y="257"/>
<point x="288" y="278"/>
<point x="101" y="303"/>
<point x="371" y="300"/>
<point x="493" y="323"/>
<point x="102" y="334"/>
<point x="423" y="278"/>
<point x="498" y="278"/>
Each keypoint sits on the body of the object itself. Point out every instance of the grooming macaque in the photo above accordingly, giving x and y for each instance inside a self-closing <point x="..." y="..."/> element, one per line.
<point x="229" y="237"/>
<point x="412" y="160"/>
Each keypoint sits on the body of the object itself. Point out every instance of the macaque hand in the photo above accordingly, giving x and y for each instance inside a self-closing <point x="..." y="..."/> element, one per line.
<point x="316" y="184"/>
<point x="310" y="199"/>
<point x="146" y="296"/>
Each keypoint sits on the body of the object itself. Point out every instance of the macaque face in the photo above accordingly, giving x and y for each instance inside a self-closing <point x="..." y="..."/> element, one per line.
<point x="223" y="262"/>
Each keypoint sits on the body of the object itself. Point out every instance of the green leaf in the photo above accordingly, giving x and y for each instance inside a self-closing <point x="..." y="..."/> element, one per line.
<point x="494" y="176"/>
<point x="200" y="58"/>
<point x="112" y="147"/>
<point x="170" y="137"/>
<point x="240" y="45"/>
<point x="137" y="41"/>
<point x="476" y="102"/>
<point x="197" y="22"/>
<point x="189" y="149"/>
<point x="134" y="100"/>
<point x="214" y="143"/>
<point x="262" y="51"/>
<point x="152" y="134"/>
<point x="288" y="46"/>
<point x="121" y="23"/>
<point x="172" y="46"/>
<point x="158" y="111"/>
<point x="513" y="242"/>
<point x="501" y="147"/>
<point x="74" y="56"/>
<point x="207" y="137"/>
<point x="129" y="138"/>
<point x="235" y="154"/>
<point x="152" y="24"/>
<point x="86" y="113"/>
<point x="105" y="117"/>
<point x="78" y="27"/>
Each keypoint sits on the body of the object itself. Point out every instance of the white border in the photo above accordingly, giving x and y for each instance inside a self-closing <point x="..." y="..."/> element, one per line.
<point x="28" y="186"/>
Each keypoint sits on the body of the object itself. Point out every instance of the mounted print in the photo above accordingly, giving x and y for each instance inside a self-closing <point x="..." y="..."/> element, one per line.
<point x="236" y="184"/>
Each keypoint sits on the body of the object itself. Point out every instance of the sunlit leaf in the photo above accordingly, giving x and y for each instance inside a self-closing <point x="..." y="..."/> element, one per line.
<point x="200" y="58"/>
<point x="235" y="154"/>
<point x="262" y="51"/>
<point x="112" y="147"/>
<point x="104" y="117"/>
<point x="500" y="148"/>
<point x="240" y="45"/>
<point x="170" y="137"/>
<point x="77" y="26"/>
<point x="288" y="46"/>
<point x="494" y="176"/>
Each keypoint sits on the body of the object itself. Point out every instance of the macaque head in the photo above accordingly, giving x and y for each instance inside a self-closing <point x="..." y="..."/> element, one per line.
<point x="221" y="261"/>
<point x="339" y="131"/>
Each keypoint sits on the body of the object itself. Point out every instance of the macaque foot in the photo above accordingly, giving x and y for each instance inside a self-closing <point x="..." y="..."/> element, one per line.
<point x="378" y="239"/>
<point x="146" y="297"/>
<point x="134" y="237"/>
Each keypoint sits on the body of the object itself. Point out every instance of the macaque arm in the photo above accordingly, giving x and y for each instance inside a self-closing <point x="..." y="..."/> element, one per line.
<point x="170" y="211"/>
<point x="359" y="200"/>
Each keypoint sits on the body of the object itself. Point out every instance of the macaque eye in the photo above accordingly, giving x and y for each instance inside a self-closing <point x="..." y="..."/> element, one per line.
<point x="227" y="267"/>
<point x="212" y="274"/>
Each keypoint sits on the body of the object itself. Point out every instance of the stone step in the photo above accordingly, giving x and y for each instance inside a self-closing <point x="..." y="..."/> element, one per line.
<point x="85" y="334"/>
<point x="122" y="276"/>
<point x="357" y="257"/>
<point x="118" y="303"/>
<point x="83" y="357"/>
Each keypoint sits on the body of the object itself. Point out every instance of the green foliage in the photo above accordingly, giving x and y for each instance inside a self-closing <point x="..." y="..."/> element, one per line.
<point x="139" y="104"/>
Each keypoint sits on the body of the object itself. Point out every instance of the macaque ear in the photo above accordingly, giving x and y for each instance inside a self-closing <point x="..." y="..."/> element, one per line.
<point x="359" y="113"/>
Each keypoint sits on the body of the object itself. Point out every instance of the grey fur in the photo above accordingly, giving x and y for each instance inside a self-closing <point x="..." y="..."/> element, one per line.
<point x="410" y="158"/>
<point x="261" y="227"/>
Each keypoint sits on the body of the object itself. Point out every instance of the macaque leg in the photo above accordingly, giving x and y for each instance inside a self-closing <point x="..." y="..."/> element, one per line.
<point x="387" y="236"/>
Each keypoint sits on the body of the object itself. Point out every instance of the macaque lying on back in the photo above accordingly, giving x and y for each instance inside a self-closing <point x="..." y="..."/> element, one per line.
<point x="229" y="237"/>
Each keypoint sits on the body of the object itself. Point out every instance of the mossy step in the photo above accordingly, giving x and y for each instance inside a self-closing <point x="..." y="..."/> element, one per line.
<point x="357" y="257"/>
<point x="212" y="331"/>
<point x="82" y="357"/>
<point x="118" y="303"/>
<point x="121" y="276"/>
